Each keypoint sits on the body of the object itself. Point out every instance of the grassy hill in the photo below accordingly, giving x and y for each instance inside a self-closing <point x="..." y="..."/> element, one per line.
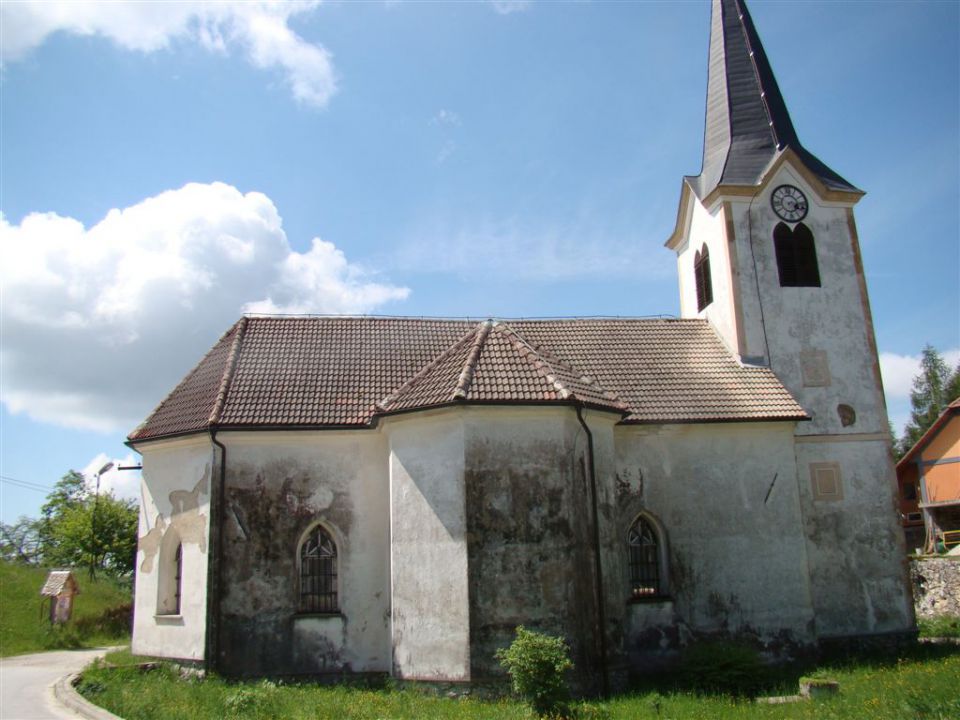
<point x="101" y="612"/>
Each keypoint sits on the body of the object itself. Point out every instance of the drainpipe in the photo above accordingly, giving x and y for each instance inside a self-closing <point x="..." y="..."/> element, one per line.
<point x="215" y="572"/>
<point x="597" y="568"/>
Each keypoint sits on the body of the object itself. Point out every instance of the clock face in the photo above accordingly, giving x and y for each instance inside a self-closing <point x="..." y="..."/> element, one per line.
<point x="789" y="203"/>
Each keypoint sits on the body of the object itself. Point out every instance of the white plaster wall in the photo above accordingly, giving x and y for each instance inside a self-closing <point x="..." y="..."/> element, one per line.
<point x="280" y="484"/>
<point x="738" y="559"/>
<point x="707" y="228"/>
<point x="430" y="603"/>
<point x="175" y="494"/>
<point x="855" y="544"/>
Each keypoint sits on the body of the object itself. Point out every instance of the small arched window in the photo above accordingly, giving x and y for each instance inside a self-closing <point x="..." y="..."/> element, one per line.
<point x="647" y="560"/>
<point x="701" y="273"/>
<point x="796" y="256"/>
<point x="177" y="579"/>
<point x="170" y="580"/>
<point x="318" y="572"/>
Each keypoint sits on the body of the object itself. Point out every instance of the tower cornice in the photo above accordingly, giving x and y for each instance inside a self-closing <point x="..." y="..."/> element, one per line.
<point x="728" y="191"/>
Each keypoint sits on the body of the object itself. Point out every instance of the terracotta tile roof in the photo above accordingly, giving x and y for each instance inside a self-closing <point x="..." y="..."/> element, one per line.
<point x="344" y="372"/>
<point x="493" y="364"/>
<point x="665" y="370"/>
<point x="189" y="406"/>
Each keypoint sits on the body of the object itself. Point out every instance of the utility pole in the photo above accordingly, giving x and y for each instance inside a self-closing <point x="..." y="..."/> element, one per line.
<point x="94" y="541"/>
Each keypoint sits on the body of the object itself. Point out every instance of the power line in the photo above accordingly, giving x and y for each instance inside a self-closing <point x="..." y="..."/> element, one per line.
<point x="22" y="487"/>
<point x="25" y="484"/>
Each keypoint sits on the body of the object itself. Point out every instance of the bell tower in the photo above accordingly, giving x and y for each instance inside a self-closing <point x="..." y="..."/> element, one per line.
<point x="768" y="253"/>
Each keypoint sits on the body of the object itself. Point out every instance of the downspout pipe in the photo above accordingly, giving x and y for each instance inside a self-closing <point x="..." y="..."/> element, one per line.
<point x="597" y="567"/>
<point x="215" y="572"/>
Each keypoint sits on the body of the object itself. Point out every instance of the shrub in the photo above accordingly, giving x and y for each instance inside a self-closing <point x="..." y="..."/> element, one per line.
<point x="114" y="622"/>
<point x="536" y="664"/>
<point x="61" y="637"/>
<point x="256" y="700"/>
<point x="723" y="667"/>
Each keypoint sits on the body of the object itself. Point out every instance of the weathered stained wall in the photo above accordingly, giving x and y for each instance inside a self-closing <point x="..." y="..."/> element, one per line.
<point x="279" y="485"/>
<point x="530" y="531"/>
<point x="174" y="505"/>
<point x="855" y="543"/>
<point x="430" y="614"/>
<point x="726" y="496"/>
<point x="819" y="342"/>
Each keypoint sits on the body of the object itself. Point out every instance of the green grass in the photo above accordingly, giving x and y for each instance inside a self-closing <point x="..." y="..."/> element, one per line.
<point x="921" y="683"/>
<point x="946" y="626"/>
<point x="100" y="613"/>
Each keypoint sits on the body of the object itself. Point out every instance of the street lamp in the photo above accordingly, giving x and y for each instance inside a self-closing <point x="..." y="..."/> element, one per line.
<point x="93" y="521"/>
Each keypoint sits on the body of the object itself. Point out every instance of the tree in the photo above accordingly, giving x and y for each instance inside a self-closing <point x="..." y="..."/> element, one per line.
<point x="953" y="385"/>
<point x="80" y="529"/>
<point x="933" y="389"/>
<point x="20" y="541"/>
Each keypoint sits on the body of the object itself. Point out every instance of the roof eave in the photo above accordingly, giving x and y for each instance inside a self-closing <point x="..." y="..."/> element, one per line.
<point x="714" y="420"/>
<point x="566" y="402"/>
<point x="683" y="215"/>
<point x="928" y="436"/>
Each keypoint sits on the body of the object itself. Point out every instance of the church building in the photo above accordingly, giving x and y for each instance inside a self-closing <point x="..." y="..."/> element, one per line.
<point x="336" y="495"/>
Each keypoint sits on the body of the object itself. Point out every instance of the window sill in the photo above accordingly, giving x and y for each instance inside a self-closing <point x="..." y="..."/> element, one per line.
<point x="168" y="619"/>
<point x="647" y="599"/>
<point x="336" y="614"/>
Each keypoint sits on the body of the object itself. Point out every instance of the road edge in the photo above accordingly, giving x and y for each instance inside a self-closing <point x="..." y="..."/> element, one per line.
<point x="66" y="694"/>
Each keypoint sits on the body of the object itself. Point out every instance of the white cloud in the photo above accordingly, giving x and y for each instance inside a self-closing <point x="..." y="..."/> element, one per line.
<point x="898" y="371"/>
<point x="99" y="323"/>
<point x="506" y="7"/>
<point x="124" y="484"/>
<point x="445" y="117"/>
<point x="446" y="150"/>
<point x="260" y="30"/>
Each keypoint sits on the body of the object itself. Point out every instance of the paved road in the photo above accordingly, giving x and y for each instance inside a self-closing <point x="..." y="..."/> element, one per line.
<point x="26" y="683"/>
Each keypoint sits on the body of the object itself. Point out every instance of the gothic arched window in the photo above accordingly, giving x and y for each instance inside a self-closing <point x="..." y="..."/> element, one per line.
<point x="318" y="572"/>
<point x="648" y="571"/>
<point x="701" y="273"/>
<point x="796" y="256"/>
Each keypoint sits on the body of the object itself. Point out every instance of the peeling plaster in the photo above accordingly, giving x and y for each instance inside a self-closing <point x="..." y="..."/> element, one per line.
<point x="185" y="518"/>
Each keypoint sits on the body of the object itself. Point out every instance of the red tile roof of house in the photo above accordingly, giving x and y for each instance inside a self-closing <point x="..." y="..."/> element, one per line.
<point x="347" y="372"/>
<point x="951" y="410"/>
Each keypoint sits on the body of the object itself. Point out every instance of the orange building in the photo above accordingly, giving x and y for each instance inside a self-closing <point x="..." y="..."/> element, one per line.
<point x="929" y="480"/>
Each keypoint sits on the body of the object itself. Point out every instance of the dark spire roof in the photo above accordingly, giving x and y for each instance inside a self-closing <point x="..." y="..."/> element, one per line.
<point x="747" y="124"/>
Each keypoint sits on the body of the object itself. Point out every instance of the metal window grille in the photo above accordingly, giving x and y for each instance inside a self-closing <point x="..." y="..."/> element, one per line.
<point x="318" y="573"/>
<point x="177" y="578"/>
<point x="644" y="559"/>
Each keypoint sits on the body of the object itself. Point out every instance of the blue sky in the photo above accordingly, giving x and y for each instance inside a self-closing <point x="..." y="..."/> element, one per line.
<point x="165" y="167"/>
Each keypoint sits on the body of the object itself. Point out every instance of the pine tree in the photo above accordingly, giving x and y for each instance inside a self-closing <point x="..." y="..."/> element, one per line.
<point x="953" y="386"/>
<point x="933" y="389"/>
